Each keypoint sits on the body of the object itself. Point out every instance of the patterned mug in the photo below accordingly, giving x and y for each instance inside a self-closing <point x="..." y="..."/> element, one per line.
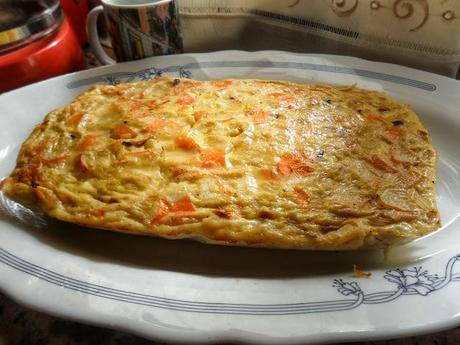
<point x="137" y="29"/>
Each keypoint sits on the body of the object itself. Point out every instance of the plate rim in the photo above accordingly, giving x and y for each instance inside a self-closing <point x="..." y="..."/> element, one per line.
<point x="229" y="51"/>
<point x="161" y="334"/>
<point x="208" y="337"/>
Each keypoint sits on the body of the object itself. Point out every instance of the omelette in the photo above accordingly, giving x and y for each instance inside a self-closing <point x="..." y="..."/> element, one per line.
<point x="235" y="162"/>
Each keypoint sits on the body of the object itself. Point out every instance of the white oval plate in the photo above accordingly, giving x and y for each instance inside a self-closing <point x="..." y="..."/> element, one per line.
<point x="186" y="291"/>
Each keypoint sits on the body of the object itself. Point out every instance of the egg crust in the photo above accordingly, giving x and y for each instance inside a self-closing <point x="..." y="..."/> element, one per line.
<point x="235" y="162"/>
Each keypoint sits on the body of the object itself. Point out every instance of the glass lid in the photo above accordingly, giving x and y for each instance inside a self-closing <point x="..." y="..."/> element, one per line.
<point x="24" y="21"/>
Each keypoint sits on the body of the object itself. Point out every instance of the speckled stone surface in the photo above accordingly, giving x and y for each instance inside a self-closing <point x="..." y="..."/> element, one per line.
<point x="22" y="326"/>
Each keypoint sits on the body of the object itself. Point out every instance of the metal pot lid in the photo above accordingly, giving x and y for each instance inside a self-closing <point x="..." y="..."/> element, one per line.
<point x="24" y="21"/>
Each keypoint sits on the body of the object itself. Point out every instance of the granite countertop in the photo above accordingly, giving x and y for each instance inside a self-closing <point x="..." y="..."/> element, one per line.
<point x="22" y="326"/>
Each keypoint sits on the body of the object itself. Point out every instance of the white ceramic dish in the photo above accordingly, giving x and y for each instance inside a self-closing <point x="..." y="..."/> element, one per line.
<point x="185" y="291"/>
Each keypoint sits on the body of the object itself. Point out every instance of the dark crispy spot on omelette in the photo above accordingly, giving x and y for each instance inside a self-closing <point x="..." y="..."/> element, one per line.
<point x="222" y="214"/>
<point x="264" y="214"/>
<point x="320" y="154"/>
<point x="328" y="228"/>
<point x="423" y="134"/>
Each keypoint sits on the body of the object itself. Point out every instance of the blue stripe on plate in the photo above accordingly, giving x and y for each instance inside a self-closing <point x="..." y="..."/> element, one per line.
<point x="130" y="76"/>
<point x="421" y="284"/>
<point x="168" y="303"/>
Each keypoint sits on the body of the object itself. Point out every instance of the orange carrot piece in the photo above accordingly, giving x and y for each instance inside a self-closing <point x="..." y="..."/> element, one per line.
<point x="294" y="164"/>
<point x="299" y="90"/>
<point x="42" y="146"/>
<point x="277" y="94"/>
<point x="182" y="207"/>
<point x="155" y="125"/>
<point x="184" y="204"/>
<point x="74" y="120"/>
<point x="136" y="106"/>
<point x="302" y="197"/>
<point x="396" y="132"/>
<point x="380" y="164"/>
<point x="53" y="160"/>
<point x="221" y="84"/>
<point x="258" y="116"/>
<point x="86" y="142"/>
<point x="152" y="104"/>
<point x="288" y="100"/>
<point x="186" y="143"/>
<point x="163" y="209"/>
<point x="114" y="90"/>
<point x="284" y="99"/>
<point x="198" y="115"/>
<point x="142" y="109"/>
<point x="357" y="273"/>
<point x="186" y="100"/>
<point x="268" y="174"/>
<point x="211" y="158"/>
<point x="178" y="171"/>
<point x="123" y="132"/>
<point x="97" y="213"/>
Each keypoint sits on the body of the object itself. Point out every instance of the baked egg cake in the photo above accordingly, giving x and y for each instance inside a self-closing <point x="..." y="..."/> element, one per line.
<point x="235" y="162"/>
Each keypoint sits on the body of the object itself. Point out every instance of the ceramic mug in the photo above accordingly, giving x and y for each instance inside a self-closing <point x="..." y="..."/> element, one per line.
<point x="137" y="29"/>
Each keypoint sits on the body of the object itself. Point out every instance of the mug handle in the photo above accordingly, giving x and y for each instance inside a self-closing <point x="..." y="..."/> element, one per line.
<point x="93" y="36"/>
